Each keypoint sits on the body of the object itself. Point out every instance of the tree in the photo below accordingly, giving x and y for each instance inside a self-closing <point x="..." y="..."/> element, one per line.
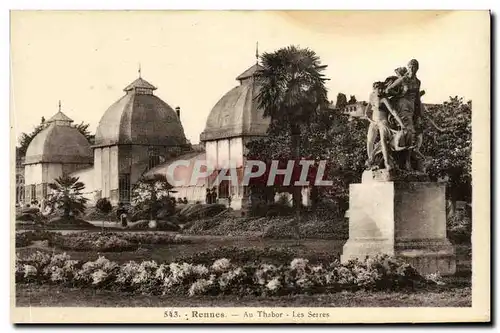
<point x="450" y="150"/>
<point x="84" y="129"/>
<point x="67" y="196"/>
<point x="352" y="100"/>
<point x="341" y="101"/>
<point x="152" y="193"/>
<point x="25" y="139"/>
<point x="331" y="137"/>
<point x="104" y="206"/>
<point x="292" y="90"/>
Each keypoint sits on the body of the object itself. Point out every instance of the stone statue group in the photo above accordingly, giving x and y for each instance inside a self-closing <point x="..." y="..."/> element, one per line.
<point x="396" y="112"/>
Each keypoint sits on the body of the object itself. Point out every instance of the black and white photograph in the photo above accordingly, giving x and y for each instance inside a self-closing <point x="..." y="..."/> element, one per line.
<point x="250" y="166"/>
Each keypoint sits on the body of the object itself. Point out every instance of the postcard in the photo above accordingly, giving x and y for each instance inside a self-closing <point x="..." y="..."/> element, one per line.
<point x="250" y="166"/>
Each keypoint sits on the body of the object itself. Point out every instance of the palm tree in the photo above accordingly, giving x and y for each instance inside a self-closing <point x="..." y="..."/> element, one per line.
<point x="292" y="90"/>
<point x="67" y="196"/>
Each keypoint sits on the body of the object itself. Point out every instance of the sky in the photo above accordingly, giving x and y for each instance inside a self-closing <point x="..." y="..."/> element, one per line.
<point x="85" y="59"/>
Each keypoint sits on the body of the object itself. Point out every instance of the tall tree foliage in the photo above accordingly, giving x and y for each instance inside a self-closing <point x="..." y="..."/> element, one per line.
<point x="151" y="193"/>
<point x="331" y="137"/>
<point x="450" y="150"/>
<point x="341" y="101"/>
<point x="292" y="90"/>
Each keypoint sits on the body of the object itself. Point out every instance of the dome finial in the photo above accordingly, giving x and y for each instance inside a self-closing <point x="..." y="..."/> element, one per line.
<point x="257" y="53"/>
<point x="139" y="70"/>
<point x="59" y="106"/>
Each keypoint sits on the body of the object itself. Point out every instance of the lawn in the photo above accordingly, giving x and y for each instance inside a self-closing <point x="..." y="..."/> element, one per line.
<point x="172" y="252"/>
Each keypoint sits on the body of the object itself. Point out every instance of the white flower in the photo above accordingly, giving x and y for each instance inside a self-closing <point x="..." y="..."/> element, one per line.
<point x="221" y="265"/>
<point x="228" y="277"/>
<point x="274" y="284"/>
<point x="200" y="287"/>
<point x="127" y="272"/>
<point x="317" y="269"/>
<point x="57" y="274"/>
<point x="436" y="278"/>
<point x="200" y="270"/>
<point x="263" y="273"/>
<point x="29" y="271"/>
<point x="146" y="268"/>
<point x="299" y="264"/>
<point x="303" y="282"/>
<point x="99" y="276"/>
<point x="161" y="272"/>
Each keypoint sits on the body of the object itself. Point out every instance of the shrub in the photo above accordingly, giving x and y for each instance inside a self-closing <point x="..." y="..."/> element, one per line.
<point x="459" y="228"/>
<point x="27" y="238"/>
<point x="328" y="209"/>
<point x="199" y="211"/>
<point x="103" y="205"/>
<point x="94" y="214"/>
<point x="32" y="215"/>
<point x="279" y="208"/>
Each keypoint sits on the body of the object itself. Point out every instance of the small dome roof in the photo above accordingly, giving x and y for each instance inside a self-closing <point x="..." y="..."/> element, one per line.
<point x="59" y="143"/>
<point x="236" y="113"/>
<point x="140" y="118"/>
<point x="60" y="117"/>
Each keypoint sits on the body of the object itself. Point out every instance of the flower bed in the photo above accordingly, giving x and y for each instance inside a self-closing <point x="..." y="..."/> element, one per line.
<point x="93" y="241"/>
<point x="96" y="241"/>
<point x="269" y="255"/>
<point x="268" y="227"/>
<point x="220" y="277"/>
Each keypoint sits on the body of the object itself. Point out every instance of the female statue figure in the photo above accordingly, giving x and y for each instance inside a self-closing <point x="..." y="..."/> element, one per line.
<point x="406" y="100"/>
<point x="402" y="92"/>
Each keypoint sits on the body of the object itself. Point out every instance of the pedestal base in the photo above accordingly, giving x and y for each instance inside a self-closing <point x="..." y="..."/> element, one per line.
<point x="406" y="220"/>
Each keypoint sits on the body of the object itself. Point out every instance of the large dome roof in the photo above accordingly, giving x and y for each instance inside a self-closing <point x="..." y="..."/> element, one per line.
<point x="236" y="113"/>
<point x="59" y="143"/>
<point x="140" y="118"/>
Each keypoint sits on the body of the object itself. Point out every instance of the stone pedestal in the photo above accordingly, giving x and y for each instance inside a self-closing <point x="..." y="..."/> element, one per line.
<point x="400" y="219"/>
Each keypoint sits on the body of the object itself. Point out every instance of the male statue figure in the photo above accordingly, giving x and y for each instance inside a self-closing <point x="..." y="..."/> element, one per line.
<point x="379" y="106"/>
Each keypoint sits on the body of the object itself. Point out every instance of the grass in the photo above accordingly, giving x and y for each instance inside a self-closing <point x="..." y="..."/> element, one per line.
<point x="172" y="252"/>
<point x="56" y="296"/>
